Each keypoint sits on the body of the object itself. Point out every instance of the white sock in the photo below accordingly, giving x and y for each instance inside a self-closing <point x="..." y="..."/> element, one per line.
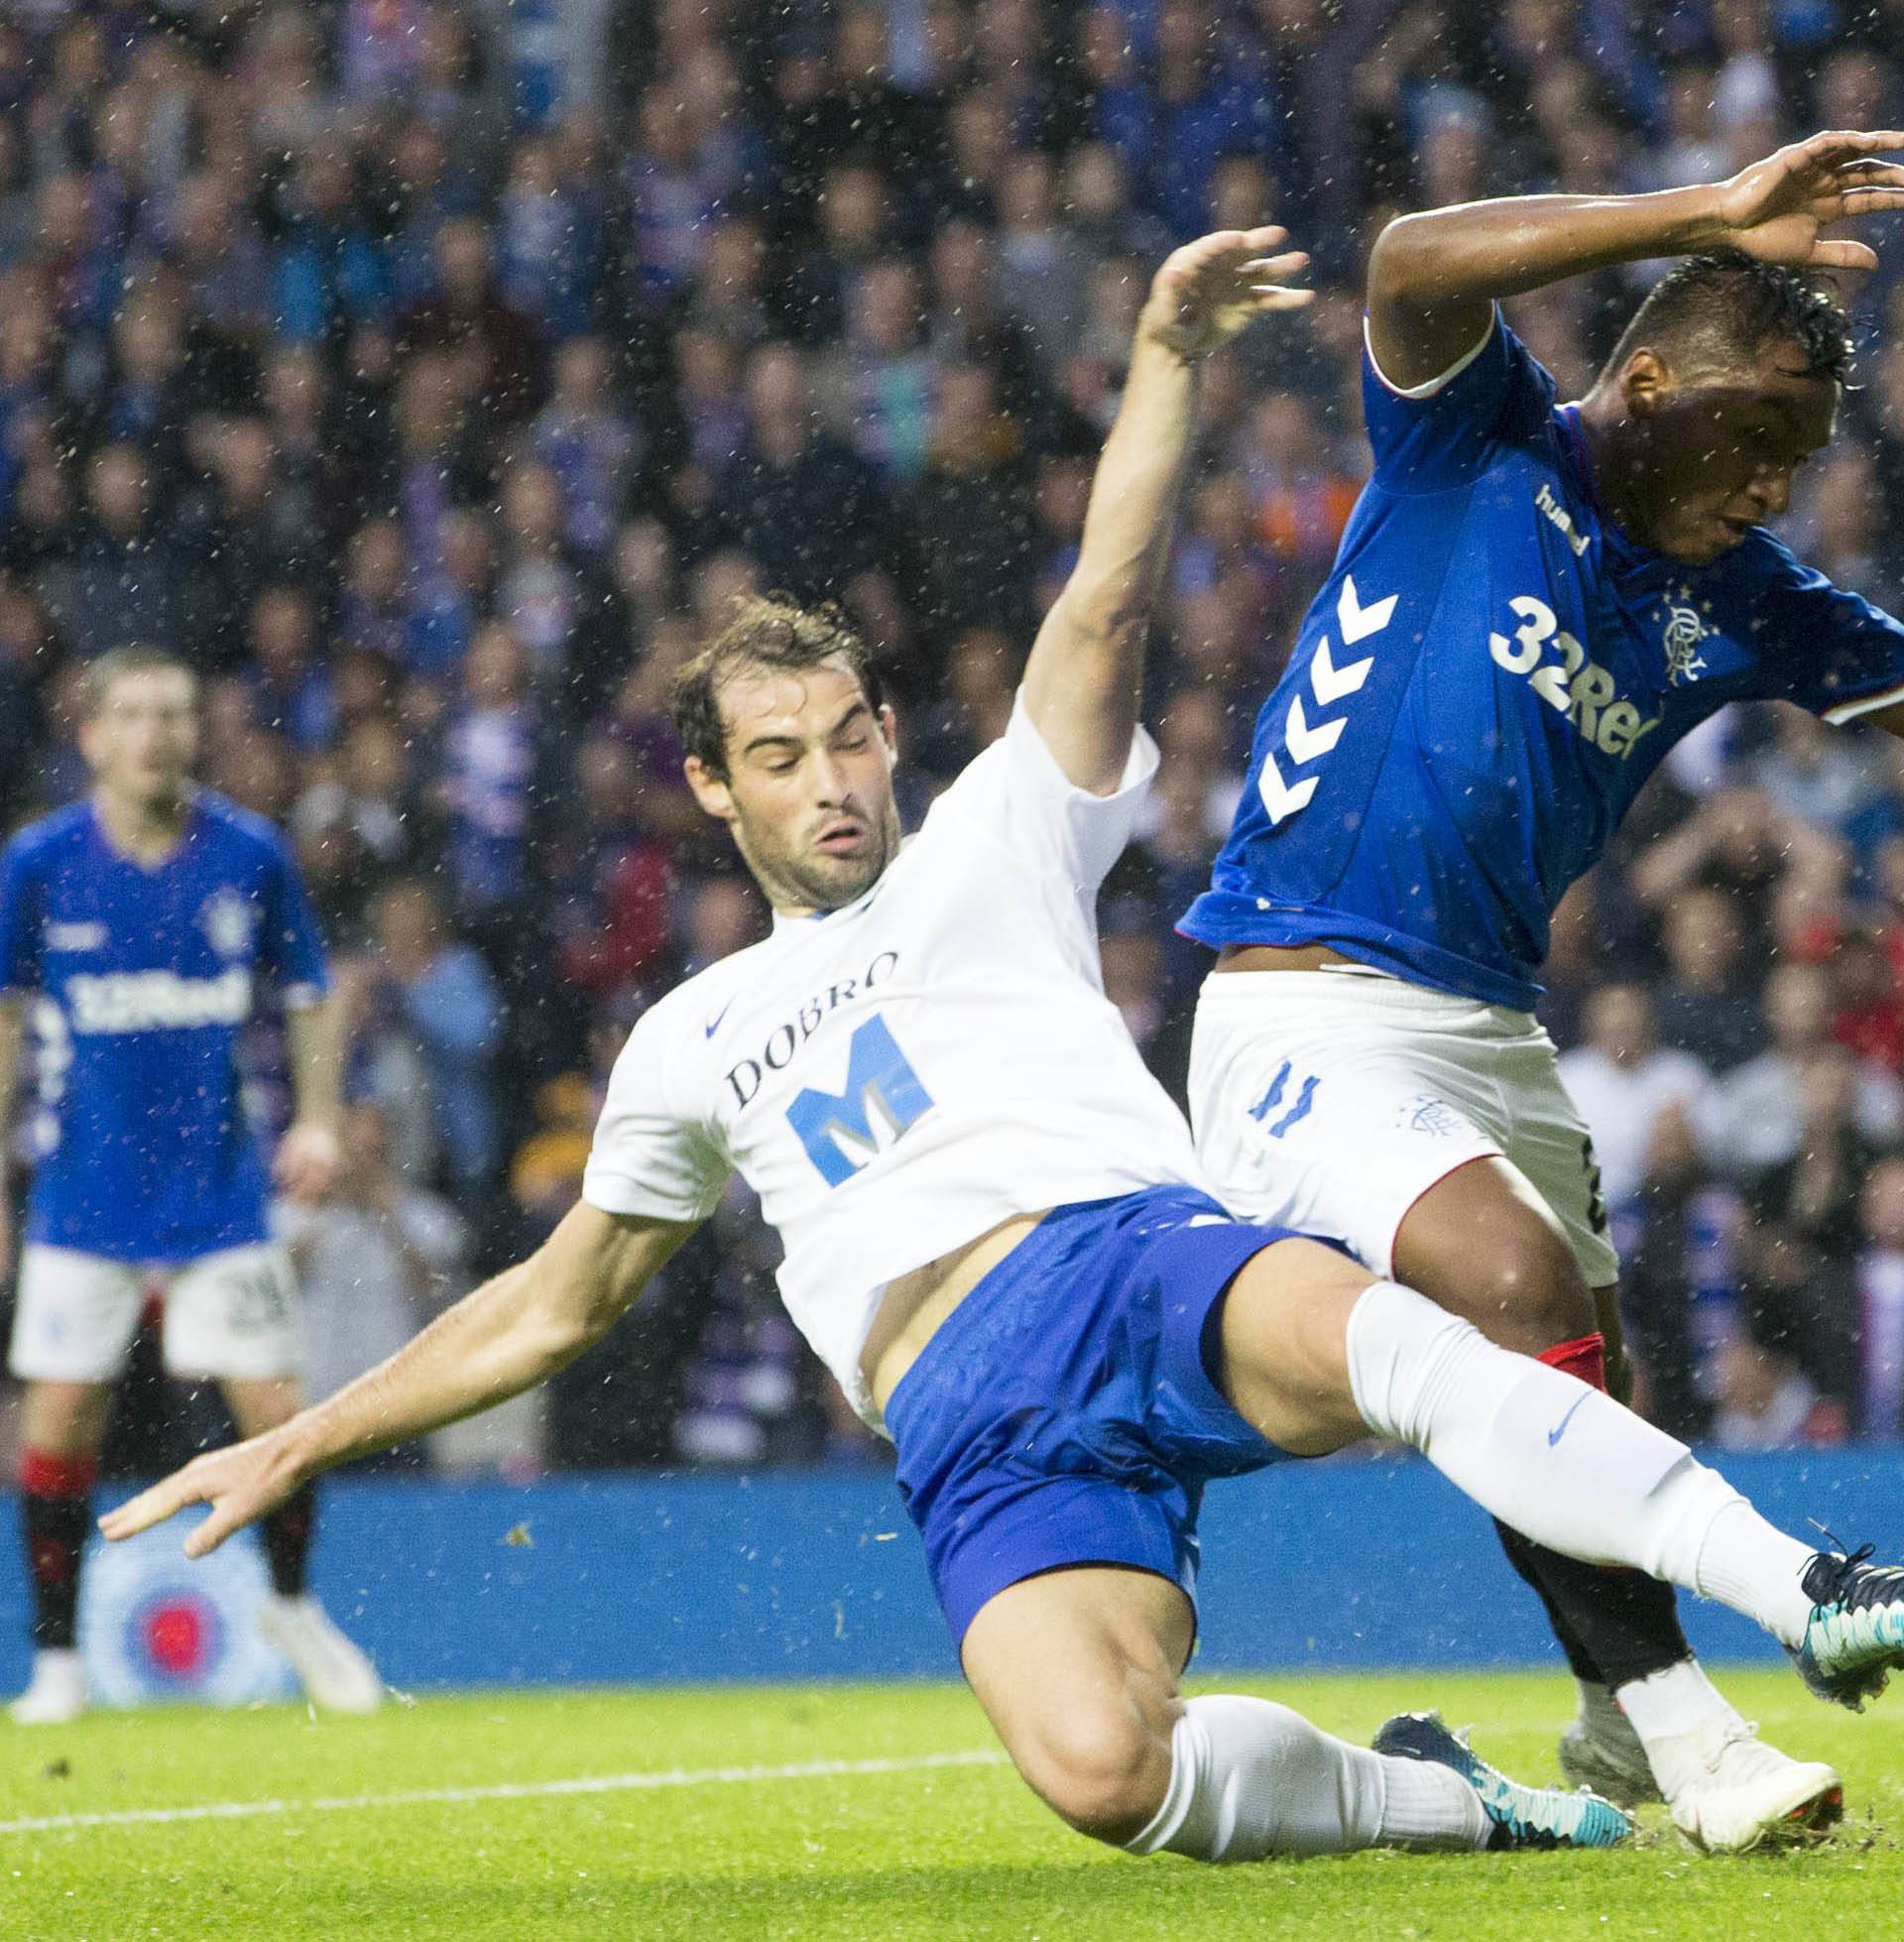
<point x="1753" y="1567"/>
<point x="1561" y="1463"/>
<point x="1681" y="1717"/>
<point x="1249" y="1778"/>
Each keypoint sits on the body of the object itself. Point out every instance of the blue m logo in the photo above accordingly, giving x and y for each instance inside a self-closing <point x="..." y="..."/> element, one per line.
<point x="882" y="1096"/>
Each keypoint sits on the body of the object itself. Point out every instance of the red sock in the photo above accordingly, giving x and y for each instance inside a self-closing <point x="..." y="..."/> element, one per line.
<point x="1585" y="1356"/>
<point x="55" y="1502"/>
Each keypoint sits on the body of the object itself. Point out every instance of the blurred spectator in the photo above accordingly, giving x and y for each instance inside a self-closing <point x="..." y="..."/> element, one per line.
<point x="1764" y="1401"/>
<point x="1708" y="1008"/>
<point x="1798" y="1250"/>
<point x="439" y="997"/>
<point x="1880" y="1287"/>
<point x="796" y="500"/>
<point x="489" y="770"/>
<point x="1639" y="1102"/>
<point x="972" y="514"/>
<point x="375" y="1260"/>
<point x="123" y="578"/>
<point x="591" y="445"/>
<point x="1635" y="1095"/>
<point x="1753" y="1120"/>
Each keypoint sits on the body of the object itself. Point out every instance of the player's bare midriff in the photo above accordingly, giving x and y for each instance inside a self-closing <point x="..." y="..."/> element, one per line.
<point x="915" y="1305"/>
<point x="1278" y="957"/>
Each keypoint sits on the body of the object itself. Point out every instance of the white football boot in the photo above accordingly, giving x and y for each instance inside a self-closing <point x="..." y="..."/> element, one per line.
<point x="55" y="1693"/>
<point x="1740" y="1794"/>
<point x="334" y="1674"/>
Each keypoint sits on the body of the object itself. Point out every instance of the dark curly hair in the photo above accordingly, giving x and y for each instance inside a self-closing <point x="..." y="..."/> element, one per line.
<point x="1725" y="308"/>
<point x="766" y="631"/>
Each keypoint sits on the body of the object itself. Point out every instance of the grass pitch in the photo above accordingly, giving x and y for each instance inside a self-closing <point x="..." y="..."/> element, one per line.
<point x="822" y="1812"/>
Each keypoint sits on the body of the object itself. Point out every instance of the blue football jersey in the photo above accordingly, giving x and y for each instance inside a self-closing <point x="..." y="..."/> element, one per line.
<point x="144" y="981"/>
<point x="1488" y="676"/>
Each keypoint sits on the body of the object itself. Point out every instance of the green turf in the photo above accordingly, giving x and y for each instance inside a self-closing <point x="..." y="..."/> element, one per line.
<point x="950" y="1853"/>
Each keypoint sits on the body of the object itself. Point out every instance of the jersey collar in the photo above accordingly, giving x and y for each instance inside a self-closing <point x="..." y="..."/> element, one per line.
<point x="187" y="835"/>
<point x="783" y="923"/>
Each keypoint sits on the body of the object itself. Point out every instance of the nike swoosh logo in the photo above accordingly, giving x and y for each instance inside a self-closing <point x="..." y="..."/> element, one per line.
<point x="1554" y="1435"/>
<point x="714" y="1023"/>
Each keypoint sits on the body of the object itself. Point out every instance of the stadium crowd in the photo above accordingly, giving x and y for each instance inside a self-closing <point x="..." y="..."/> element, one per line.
<point x="431" y="373"/>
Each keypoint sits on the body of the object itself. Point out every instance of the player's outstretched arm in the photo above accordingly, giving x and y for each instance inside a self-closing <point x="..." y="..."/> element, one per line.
<point x="513" y="1332"/>
<point x="1081" y="684"/>
<point x="1433" y="278"/>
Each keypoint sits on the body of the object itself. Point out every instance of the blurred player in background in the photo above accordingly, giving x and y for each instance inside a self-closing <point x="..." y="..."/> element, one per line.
<point x="998" y="1239"/>
<point x="1531" y="604"/>
<point x="138" y="925"/>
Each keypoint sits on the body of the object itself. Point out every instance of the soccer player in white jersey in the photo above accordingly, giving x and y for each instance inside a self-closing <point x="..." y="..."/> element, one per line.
<point x="136" y="925"/>
<point x="997" y="1238"/>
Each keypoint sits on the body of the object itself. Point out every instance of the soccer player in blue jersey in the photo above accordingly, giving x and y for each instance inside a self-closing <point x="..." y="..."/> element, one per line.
<point x="1531" y="604"/>
<point x="998" y="1239"/>
<point x="135" y="927"/>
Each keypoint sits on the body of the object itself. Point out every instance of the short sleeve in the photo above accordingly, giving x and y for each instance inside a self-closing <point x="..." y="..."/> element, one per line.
<point x="21" y="927"/>
<point x="1446" y="433"/>
<point x="1017" y="794"/>
<point x="289" y="944"/>
<point x="1833" y="652"/>
<point x="653" y="1155"/>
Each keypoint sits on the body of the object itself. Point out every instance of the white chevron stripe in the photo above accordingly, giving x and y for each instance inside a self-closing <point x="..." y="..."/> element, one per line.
<point x="1331" y="682"/>
<point x="1359" y="622"/>
<point x="1306" y="743"/>
<point x="1278" y="797"/>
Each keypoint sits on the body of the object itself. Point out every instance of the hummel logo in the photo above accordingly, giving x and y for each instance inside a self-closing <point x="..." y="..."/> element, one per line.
<point x="714" y="1023"/>
<point x="1554" y="1435"/>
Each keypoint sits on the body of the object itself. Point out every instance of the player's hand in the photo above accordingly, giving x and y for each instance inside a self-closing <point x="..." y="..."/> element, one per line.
<point x="240" y="1483"/>
<point x="309" y="1156"/>
<point x="1210" y="289"/>
<point x="1776" y="208"/>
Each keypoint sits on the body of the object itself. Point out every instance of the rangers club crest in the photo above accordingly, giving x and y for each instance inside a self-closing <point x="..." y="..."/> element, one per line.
<point x="227" y="920"/>
<point x="1685" y="630"/>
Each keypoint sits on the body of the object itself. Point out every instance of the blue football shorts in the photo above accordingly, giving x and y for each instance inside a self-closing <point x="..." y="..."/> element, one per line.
<point x="1064" y="1413"/>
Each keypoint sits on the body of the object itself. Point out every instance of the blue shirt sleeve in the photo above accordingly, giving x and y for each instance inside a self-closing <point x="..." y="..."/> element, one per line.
<point x="289" y="944"/>
<point x="1444" y="434"/>
<point x="20" y="922"/>
<point x="1826" y="648"/>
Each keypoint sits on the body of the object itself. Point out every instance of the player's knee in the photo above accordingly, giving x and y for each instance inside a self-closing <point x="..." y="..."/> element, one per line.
<point x="1528" y="1292"/>
<point x="1105" y="1773"/>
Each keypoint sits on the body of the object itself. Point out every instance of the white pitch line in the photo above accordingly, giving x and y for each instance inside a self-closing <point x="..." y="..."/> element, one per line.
<point x="704" y="1777"/>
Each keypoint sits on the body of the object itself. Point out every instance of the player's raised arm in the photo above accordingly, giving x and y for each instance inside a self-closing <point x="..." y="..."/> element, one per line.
<point x="1081" y="684"/>
<point x="1433" y="278"/>
<point x="513" y="1332"/>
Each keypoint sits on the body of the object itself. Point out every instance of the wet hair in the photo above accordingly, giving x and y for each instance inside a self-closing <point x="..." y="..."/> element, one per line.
<point x="1724" y="308"/>
<point x="136" y="658"/>
<point x="773" y="632"/>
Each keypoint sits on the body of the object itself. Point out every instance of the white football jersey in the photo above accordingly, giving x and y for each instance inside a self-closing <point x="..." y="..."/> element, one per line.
<point x="898" y="1077"/>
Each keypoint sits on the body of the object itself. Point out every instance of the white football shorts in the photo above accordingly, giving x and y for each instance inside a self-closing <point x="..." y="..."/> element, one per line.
<point x="1331" y="1101"/>
<point x="229" y="1313"/>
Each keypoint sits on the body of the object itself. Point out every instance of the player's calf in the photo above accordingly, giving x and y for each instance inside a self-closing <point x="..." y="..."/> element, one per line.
<point x="1105" y="1772"/>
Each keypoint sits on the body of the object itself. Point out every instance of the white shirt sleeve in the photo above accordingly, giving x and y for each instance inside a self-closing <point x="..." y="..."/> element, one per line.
<point x="1015" y="793"/>
<point x="654" y="1154"/>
